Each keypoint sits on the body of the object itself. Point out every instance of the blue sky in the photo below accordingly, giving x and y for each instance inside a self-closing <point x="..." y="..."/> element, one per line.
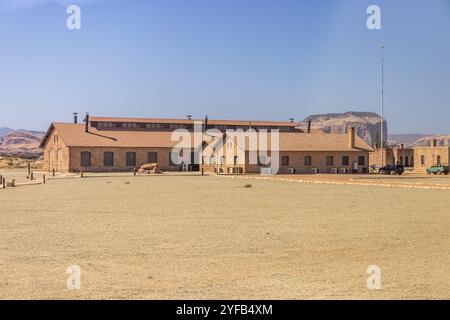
<point x="231" y="59"/>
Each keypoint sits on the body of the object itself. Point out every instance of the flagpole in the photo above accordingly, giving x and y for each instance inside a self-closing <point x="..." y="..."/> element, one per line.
<point x="382" y="105"/>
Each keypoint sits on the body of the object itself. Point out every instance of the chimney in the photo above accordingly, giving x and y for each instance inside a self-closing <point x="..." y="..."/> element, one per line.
<point x="205" y="124"/>
<point x="87" y="122"/>
<point x="309" y="126"/>
<point x="351" y="137"/>
<point x="75" y="117"/>
<point x="434" y="142"/>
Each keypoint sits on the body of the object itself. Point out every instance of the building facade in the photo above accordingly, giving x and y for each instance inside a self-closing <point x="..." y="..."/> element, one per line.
<point x="426" y="156"/>
<point x="124" y="144"/>
<point x="392" y="155"/>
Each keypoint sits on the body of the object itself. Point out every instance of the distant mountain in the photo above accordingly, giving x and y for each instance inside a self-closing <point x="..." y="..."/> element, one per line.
<point x="21" y="143"/>
<point x="406" y="139"/>
<point x="367" y="124"/>
<point x="4" y="131"/>
<point x="442" y="140"/>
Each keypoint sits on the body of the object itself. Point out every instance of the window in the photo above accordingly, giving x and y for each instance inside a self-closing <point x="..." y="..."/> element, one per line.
<point x="345" y="160"/>
<point x="361" y="161"/>
<point x="152" y="157"/>
<point x="308" y="161"/>
<point x="284" y="160"/>
<point x="330" y="160"/>
<point x="85" y="159"/>
<point x="438" y="160"/>
<point x="131" y="125"/>
<point x="108" y="159"/>
<point x="131" y="159"/>
<point x="422" y="160"/>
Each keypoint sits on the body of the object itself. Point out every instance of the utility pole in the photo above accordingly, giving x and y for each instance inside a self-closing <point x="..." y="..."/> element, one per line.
<point x="382" y="105"/>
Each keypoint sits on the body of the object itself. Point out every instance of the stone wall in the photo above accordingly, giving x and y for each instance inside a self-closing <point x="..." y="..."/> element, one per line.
<point x="97" y="158"/>
<point x="391" y="156"/>
<point x="319" y="160"/>
<point x="425" y="157"/>
<point x="56" y="154"/>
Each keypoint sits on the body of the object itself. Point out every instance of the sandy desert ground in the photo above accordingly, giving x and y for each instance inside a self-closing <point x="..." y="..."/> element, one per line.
<point x="195" y="237"/>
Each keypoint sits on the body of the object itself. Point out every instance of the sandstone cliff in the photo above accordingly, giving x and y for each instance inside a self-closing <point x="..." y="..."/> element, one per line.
<point x="442" y="140"/>
<point x="367" y="124"/>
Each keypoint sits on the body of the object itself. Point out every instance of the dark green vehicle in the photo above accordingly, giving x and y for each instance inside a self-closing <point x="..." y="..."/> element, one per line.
<point x="392" y="169"/>
<point x="438" y="169"/>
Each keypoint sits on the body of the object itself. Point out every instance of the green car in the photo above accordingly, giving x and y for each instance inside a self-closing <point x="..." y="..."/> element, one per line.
<point x="438" y="169"/>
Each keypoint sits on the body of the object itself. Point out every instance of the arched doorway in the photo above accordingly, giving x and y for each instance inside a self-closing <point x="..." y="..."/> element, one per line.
<point x="59" y="160"/>
<point x="51" y="160"/>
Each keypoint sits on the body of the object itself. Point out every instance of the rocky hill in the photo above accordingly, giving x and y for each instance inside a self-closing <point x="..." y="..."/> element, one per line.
<point x="21" y="143"/>
<point x="4" y="131"/>
<point x="442" y="140"/>
<point x="367" y="124"/>
<point x="406" y="139"/>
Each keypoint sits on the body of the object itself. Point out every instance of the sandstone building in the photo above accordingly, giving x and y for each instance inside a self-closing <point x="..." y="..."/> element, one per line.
<point x="426" y="156"/>
<point x="123" y="144"/>
<point x="392" y="155"/>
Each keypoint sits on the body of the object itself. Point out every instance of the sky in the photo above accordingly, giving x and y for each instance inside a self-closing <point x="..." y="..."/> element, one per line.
<point x="228" y="59"/>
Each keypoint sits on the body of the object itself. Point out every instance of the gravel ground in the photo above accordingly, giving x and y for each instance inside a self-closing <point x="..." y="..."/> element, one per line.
<point x="195" y="237"/>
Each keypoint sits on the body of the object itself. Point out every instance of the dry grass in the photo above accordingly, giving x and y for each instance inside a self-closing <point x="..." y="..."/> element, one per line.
<point x="210" y="237"/>
<point x="15" y="163"/>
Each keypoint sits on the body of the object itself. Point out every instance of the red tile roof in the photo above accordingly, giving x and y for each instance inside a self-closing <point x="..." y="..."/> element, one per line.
<point x="74" y="135"/>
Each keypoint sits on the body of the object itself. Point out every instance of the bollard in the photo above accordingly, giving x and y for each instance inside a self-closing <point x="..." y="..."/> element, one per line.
<point x="134" y="172"/>
<point x="81" y="173"/>
<point x="4" y="182"/>
<point x="32" y="176"/>
<point x="1" y="179"/>
<point x="29" y="170"/>
<point x="53" y="172"/>
<point x="43" y="178"/>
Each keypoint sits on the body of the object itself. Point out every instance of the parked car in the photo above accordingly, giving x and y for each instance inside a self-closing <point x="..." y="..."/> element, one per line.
<point x="438" y="169"/>
<point x="392" y="169"/>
